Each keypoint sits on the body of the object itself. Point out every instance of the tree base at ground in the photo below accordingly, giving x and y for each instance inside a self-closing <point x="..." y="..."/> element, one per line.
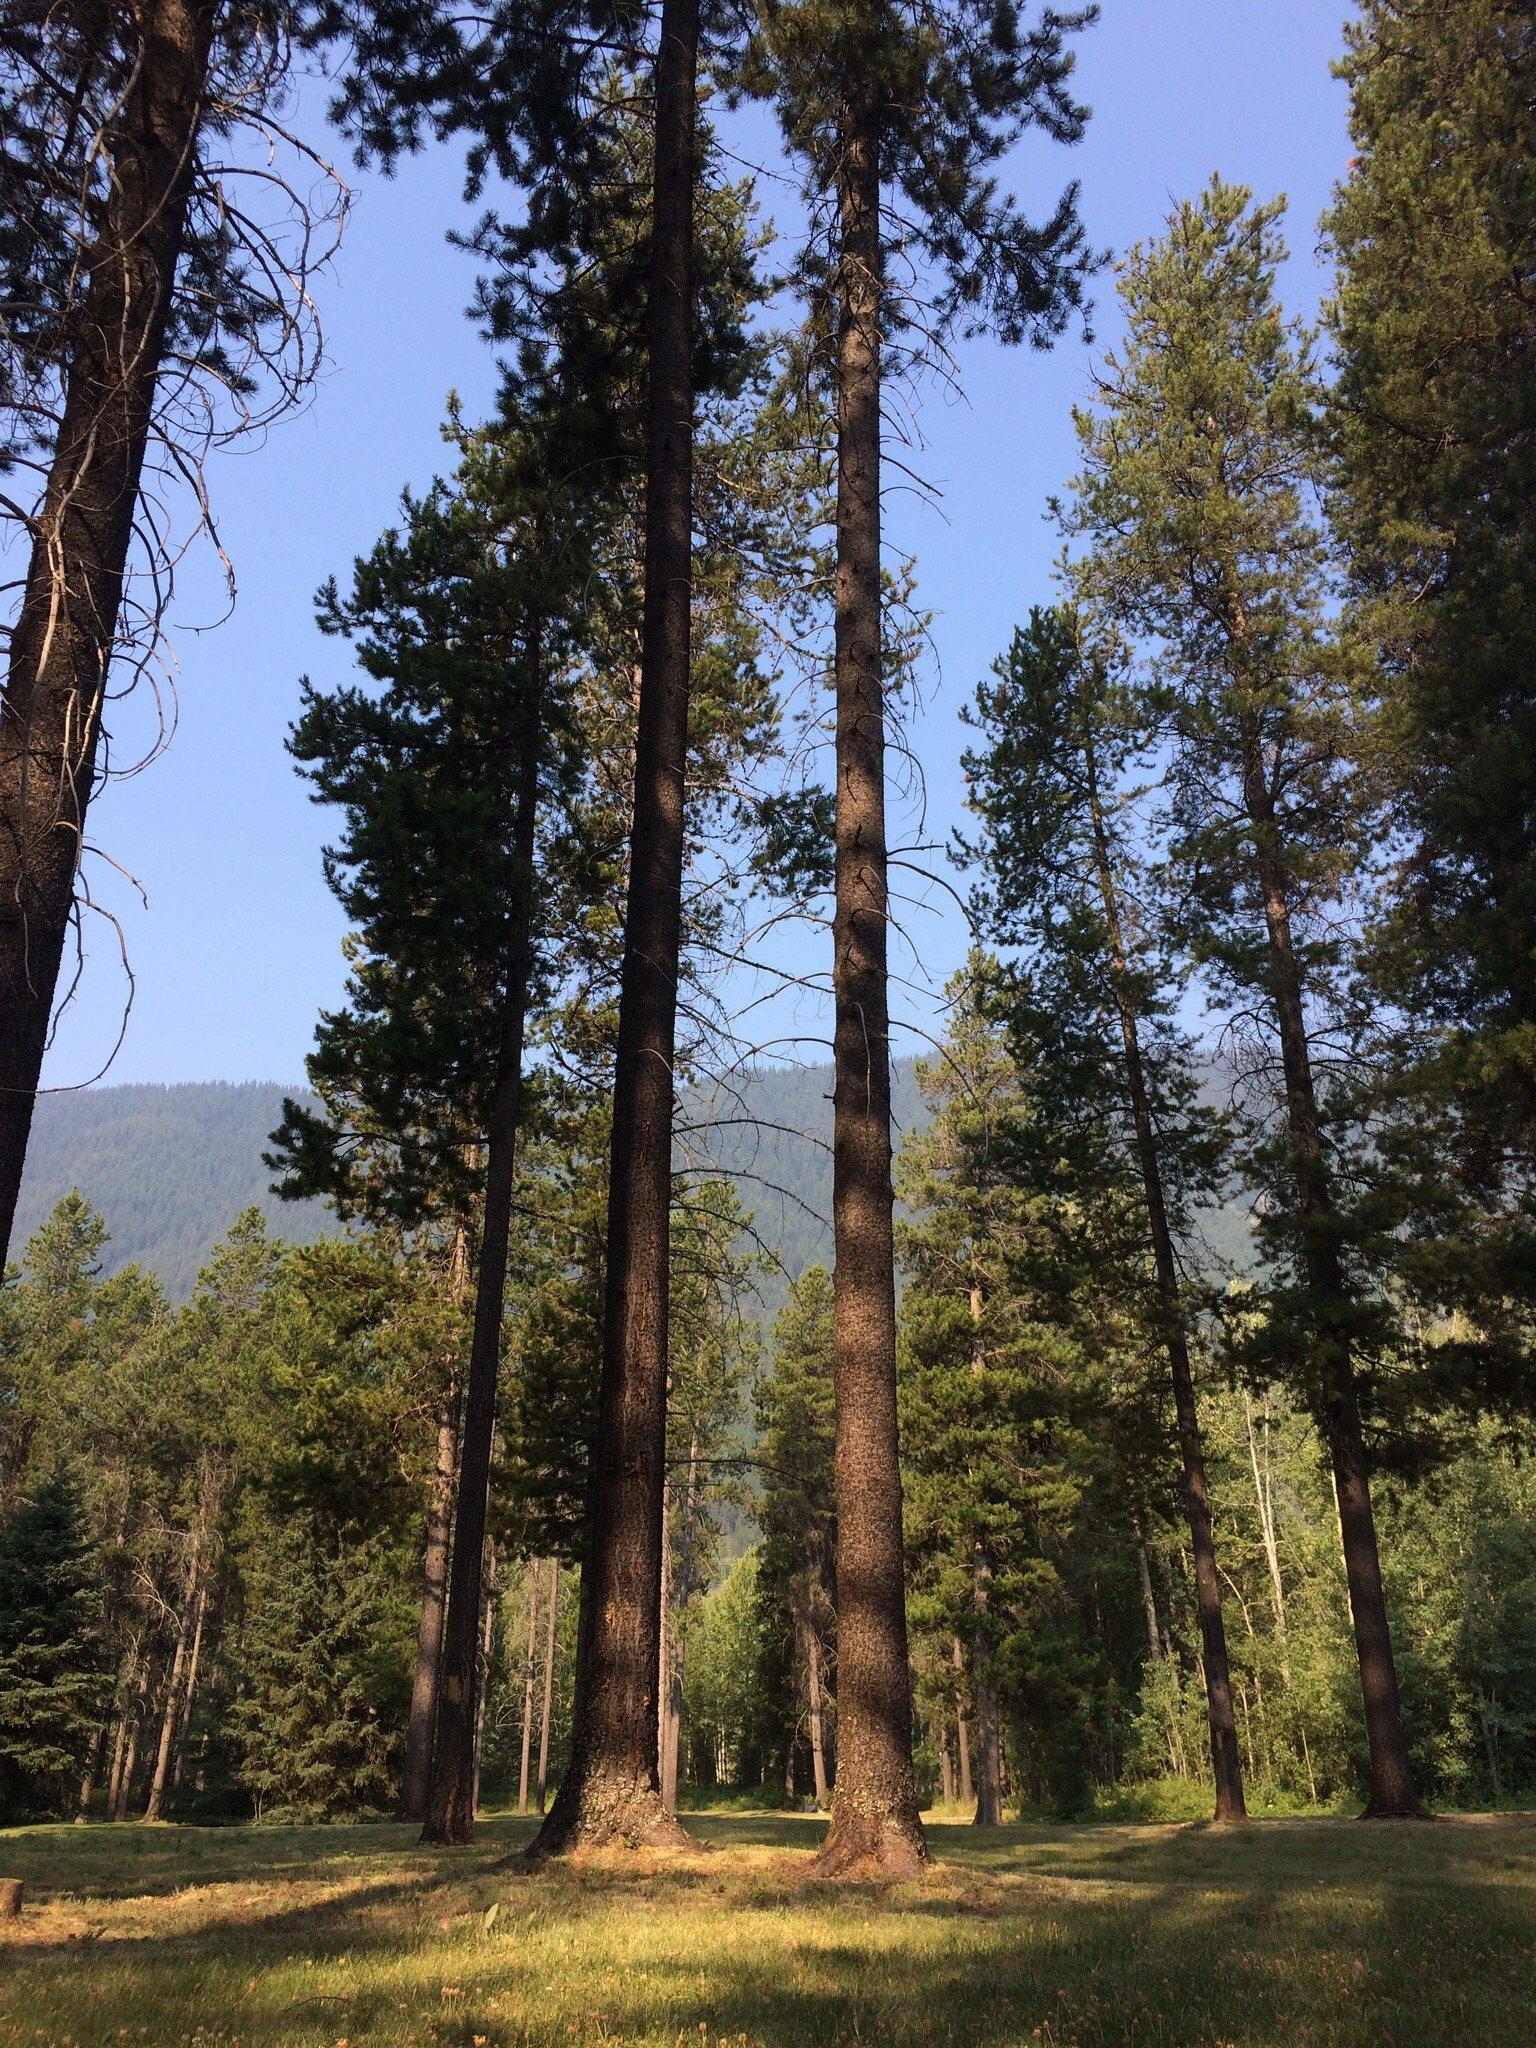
<point x="871" y="1845"/>
<point x="1409" y="1807"/>
<point x="604" y="1811"/>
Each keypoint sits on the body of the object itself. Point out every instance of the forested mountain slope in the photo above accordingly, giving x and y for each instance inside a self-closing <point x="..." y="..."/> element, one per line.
<point x="170" y="1168"/>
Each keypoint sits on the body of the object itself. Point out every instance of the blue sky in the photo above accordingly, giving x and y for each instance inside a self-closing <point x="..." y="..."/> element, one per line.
<point x="239" y="944"/>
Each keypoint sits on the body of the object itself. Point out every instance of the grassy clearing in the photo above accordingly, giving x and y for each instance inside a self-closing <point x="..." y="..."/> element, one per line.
<point x="1327" y="1934"/>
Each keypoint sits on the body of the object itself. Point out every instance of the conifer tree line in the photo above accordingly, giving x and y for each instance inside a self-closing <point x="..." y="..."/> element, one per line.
<point x="1040" y="1499"/>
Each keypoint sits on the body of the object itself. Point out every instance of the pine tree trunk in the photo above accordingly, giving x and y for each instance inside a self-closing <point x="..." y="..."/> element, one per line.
<point x="115" y="1774"/>
<point x="189" y="1695"/>
<point x="528" y="1657"/>
<point x="133" y="1696"/>
<point x="989" y="1760"/>
<point x="946" y="1768"/>
<point x="611" y="1791"/>
<point x="818" y="1737"/>
<point x="483" y="1671"/>
<point x="171" y="1711"/>
<point x="420" y="1728"/>
<point x="875" y="1824"/>
<point x="677" y="1638"/>
<point x="1148" y="1600"/>
<point x="61" y="645"/>
<point x="989" y="1739"/>
<point x="135" y="1735"/>
<point x="88" y="1777"/>
<point x="664" y="1644"/>
<point x="1393" y="1794"/>
<point x="962" y="1729"/>
<point x="549" y="1681"/>
<point x="1226" y="1765"/>
<point x="451" y="1780"/>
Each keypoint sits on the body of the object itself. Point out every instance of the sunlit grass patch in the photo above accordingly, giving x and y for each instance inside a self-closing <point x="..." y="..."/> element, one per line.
<point x="1326" y="1934"/>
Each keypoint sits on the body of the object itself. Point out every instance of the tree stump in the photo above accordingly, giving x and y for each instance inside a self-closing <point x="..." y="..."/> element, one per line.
<point x="10" y="1897"/>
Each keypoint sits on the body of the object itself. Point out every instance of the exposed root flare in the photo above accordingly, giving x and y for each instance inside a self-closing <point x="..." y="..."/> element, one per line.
<point x="606" y="1817"/>
<point x="1406" y="1809"/>
<point x="863" y="1848"/>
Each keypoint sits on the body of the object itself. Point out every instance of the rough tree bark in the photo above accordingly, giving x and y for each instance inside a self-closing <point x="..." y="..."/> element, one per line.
<point x="875" y="1825"/>
<point x="61" y="647"/>
<point x="451" y="1787"/>
<point x="611" y="1791"/>
<point x="1393" y="1793"/>
<point x="1226" y="1764"/>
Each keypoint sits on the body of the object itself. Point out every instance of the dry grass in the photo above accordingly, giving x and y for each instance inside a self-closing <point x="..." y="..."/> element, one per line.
<point x="1291" y="1935"/>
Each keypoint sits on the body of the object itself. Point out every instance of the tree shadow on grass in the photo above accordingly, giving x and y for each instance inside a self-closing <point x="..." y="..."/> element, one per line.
<point x="1420" y="1937"/>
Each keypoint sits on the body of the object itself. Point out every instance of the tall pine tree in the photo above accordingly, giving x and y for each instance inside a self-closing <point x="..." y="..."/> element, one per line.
<point x="873" y="101"/>
<point x="1198" y="504"/>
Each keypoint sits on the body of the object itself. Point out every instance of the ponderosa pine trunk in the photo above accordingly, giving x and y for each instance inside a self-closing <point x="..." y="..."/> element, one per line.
<point x="875" y="1825"/>
<point x="450" y="1813"/>
<point x="549" y="1682"/>
<point x="62" y="642"/>
<point x="1393" y="1793"/>
<point x="611" y="1791"/>
<point x="1226" y="1763"/>
<point x="416" y="1773"/>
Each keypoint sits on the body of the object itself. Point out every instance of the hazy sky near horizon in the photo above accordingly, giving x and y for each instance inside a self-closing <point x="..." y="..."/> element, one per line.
<point x="239" y="944"/>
